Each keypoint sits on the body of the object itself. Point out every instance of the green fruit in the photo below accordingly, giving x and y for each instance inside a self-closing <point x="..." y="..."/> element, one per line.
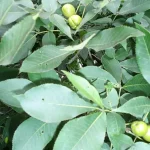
<point x="146" y="137"/>
<point x="6" y="140"/>
<point x="139" y="128"/>
<point x="74" y="21"/>
<point x="68" y="10"/>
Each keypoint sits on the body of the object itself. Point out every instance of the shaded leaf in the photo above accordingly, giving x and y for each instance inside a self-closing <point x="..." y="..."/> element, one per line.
<point x="138" y="85"/>
<point x="112" y="66"/>
<point x="49" y="39"/>
<point x="45" y="77"/>
<point x="8" y="73"/>
<point x="130" y="64"/>
<point x="113" y="6"/>
<point x="79" y="46"/>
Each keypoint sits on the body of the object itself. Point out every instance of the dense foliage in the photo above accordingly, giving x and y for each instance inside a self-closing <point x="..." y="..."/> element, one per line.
<point x="75" y="77"/>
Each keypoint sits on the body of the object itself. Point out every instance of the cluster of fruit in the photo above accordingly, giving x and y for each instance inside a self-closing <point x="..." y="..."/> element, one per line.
<point x="69" y="12"/>
<point x="141" y="129"/>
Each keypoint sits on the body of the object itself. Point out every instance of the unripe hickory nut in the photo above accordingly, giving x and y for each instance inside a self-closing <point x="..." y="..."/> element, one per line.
<point x="139" y="128"/>
<point x="74" y="21"/>
<point x="68" y="10"/>
<point x="146" y="137"/>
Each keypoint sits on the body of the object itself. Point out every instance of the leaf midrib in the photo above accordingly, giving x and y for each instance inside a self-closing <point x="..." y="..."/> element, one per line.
<point x="87" y="130"/>
<point x="5" y="13"/>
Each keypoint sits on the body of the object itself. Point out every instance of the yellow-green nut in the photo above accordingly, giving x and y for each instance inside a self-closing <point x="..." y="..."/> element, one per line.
<point x="6" y="140"/>
<point x="74" y="21"/>
<point x="68" y="10"/>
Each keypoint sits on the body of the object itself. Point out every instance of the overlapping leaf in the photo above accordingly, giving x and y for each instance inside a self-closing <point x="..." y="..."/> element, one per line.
<point x="49" y="57"/>
<point x="12" y="87"/>
<point x="5" y="6"/>
<point x="85" y="88"/>
<point x="137" y="106"/>
<point x="138" y="85"/>
<point x="143" y="53"/>
<point x="60" y="22"/>
<point x="134" y="6"/>
<point x="13" y="40"/>
<point x="111" y="37"/>
<point x="87" y="132"/>
<point x="97" y="76"/>
<point x="33" y="134"/>
<point x="53" y="103"/>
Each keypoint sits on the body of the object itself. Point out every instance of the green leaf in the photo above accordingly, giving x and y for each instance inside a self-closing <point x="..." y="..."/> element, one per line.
<point x="65" y="1"/>
<point x="33" y="134"/>
<point x="134" y="6"/>
<point x="49" y="39"/>
<point x="88" y="16"/>
<point x="87" y="133"/>
<point x="26" y="3"/>
<point x="10" y="46"/>
<point x="92" y="13"/>
<point x="137" y="106"/>
<point x="12" y="87"/>
<point x="97" y="76"/>
<point x="126" y="97"/>
<point x="130" y="64"/>
<point x="140" y="145"/>
<point x="105" y="146"/>
<point x="113" y="6"/>
<point x="14" y="14"/>
<point x="86" y="2"/>
<point x="85" y="88"/>
<point x="5" y="6"/>
<point x="138" y="85"/>
<point x="104" y="20"/>
<point x="79" y="46"/>
<point x="143" y="53"/>
<point x="110" y="52"/>
<point x="26" y="47"/>
<point x="53" y="103"/>
<point x="112" y="99"/>
<point x="112" y="66"/>
<point x="121" y="142"/>
<point x="44" y="59"/>
<point x="50" y="6"/>
<point x="126" y="76"/>
<point x="116" y="124"/>
<point x="45" y="77"/>
<point x="111" y="37"/>
<point x="60" y="22"/>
